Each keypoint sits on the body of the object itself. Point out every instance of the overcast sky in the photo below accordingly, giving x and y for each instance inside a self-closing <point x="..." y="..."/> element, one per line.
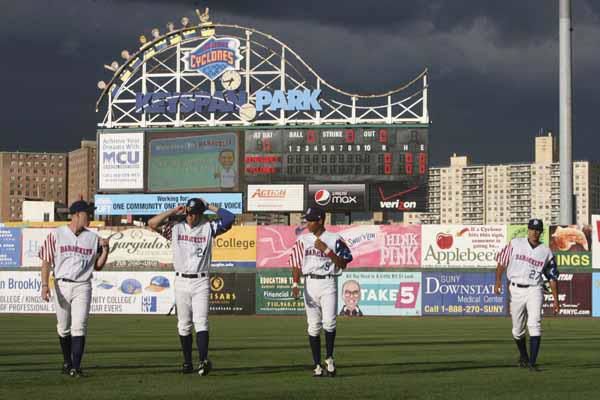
<point x="493" y="64"/>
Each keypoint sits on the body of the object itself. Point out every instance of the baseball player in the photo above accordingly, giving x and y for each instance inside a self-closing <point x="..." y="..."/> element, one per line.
<point x="319" y="256"/>
<point x="74" y="252"/>
<point x="192" y="254"/>
<point x="526" y="262"/>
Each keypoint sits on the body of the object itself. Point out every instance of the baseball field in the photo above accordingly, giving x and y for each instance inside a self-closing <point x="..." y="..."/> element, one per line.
<point x="131" y="357"/>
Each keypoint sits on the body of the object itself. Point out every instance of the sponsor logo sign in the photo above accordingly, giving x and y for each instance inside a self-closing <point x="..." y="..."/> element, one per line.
<point x="213" y="57"/>
<point x="152" y="204"/>
<point x="291" y="100"/>
<point x="574" y="296"/>
<point x="10" y="247"/>
<point x="571" y="245"/>
<point x="596" y="294"/>
<point x="462" y="293"/>
<point x="33" y="239"/>
<point x="121" y="161"/>
<point x="193" y="102"/>
<point x="235" y="248"/>
<point x="382" y="293"/>
<point x="595" y="241"/>
<point x="335" y="198"/>
<point x="275" y="197"/>
<point x="232" y="293"/>
<point x="461" y="245"/>
<point x="274" y="293"/>
<point x="399" y="197"/>
<point x="372" y="246"/>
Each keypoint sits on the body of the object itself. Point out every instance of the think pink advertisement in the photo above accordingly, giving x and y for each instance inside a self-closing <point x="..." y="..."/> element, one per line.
<point x="374" y="246"/>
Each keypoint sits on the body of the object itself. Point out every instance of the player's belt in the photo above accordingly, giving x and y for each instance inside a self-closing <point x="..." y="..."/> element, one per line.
<point x="191" y="276"/>
<point x="65" y="280"/>
<point x="315" y="276"/>
<point x="519" y="285"/>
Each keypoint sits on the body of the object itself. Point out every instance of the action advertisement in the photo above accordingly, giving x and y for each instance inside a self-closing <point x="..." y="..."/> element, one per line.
<point x="460" y="246"/>
<point x="462" y="293"/>
<point x="379" y="293"/>
<point x="274" y="293"/>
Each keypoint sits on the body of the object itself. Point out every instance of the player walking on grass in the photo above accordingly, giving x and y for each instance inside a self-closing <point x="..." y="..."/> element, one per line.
<point x="74" y="252"/>
<point x="319" y="256"/>
<point x="192" y="255"/>
<point x="526" y="262"/>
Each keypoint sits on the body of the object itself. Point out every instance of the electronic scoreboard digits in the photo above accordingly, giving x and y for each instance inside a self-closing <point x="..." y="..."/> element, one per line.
<point x="336" y="155"/>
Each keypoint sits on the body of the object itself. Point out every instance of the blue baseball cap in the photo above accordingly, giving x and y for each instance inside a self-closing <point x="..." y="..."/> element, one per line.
<point x="158" y="283"/>
<point x="536" y="224"/>
<point x="314" y="214"/>
<point x="81" y="205"/>
<point x="131" y="286"/>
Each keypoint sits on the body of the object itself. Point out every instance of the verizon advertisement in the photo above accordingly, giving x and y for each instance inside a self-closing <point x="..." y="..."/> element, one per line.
<point x="334" y="198"/>
<point x="275" y="197"/>
<point x="399" y="197"/>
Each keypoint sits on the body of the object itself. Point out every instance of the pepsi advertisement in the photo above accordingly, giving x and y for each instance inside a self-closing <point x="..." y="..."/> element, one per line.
<point x="462" y="293"/>
<point x="336" y="198"/>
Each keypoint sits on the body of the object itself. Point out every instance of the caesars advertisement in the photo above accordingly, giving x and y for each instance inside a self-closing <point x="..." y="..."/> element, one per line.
<point x="232" y="293"/>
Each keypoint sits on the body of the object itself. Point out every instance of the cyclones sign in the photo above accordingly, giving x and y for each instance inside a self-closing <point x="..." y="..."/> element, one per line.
<point x="214" y="56"/>
<point x="338" y="197"/>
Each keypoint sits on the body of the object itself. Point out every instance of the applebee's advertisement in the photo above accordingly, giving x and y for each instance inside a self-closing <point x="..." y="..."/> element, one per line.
<point x="461" y="246"/>
<point x="379" y="293"/>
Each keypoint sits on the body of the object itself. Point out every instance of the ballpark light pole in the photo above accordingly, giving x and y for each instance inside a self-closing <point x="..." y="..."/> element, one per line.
<point x="564" y="95"/>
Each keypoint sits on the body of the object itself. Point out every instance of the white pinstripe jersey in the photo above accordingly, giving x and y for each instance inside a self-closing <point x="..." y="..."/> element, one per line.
<point x="73" y="256"/>
<point x="313" y="261"/>
<point x="526" y="264"/>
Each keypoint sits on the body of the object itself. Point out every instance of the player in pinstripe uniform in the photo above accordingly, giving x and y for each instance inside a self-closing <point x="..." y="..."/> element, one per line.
<point x="73" y="252"/>
<point x="319" y="256"/>
<point x="527" y="261"/>
<point x="192" y="254"/>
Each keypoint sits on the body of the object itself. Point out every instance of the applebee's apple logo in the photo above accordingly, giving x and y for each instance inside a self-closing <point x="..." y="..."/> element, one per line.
<point x="444" y="240"/>
<point x="322" y="197"/>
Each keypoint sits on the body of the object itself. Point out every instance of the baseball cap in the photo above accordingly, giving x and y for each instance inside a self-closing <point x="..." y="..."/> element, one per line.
<point x="536" y="224"/>
<point x="195" y="206"/>
<point x="314" y="214"/>
<point x="158" y="283"/>
<point x="131" y="286"/>
<point x="81" y="205"/>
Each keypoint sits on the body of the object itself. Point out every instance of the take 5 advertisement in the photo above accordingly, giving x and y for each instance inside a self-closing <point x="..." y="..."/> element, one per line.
<point x="461" y="246"/>
<point x="379" y="293"/>
<point x="462" y="293"/>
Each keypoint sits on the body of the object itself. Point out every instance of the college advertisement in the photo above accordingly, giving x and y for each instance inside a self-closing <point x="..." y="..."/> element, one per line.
<point x="121" y="161"/>
<point x="10" y="247"/>
<point x="574" y="295"/>
<point x="372" y="246"/>
<point x="596" y="294"/>
<point x="193" y="161"/>
<point x="232" y="293"/>
<point x="460" y="246"/>
<point x="462" y="293"/>
<point x="274" y="293"/>
<point x="112" y="292"/>
<point x="235" y="248"/>
<point x="275" y="198"/>
<point x="379" y="293"/>
<point x="152" y="204"/>
<point x="571" y="245"/>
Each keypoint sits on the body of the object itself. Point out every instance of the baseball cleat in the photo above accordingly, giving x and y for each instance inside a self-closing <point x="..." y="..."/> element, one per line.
<point x="534" y="368"/>
<point x="187" y="368"/>
<point x="318" y="371"/>
<point x="66" y="368"/>
<point x="523" y="363"/>
<point x="205" y="367"/>
<point x="76" y="373"/>
<point x="330" y="367"/>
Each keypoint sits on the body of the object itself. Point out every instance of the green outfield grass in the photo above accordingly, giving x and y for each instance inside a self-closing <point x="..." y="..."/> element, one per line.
<point x="268" y="358"/>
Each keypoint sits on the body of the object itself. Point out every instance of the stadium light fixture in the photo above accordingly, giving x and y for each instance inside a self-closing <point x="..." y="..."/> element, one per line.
<point x="170" y="26"/>
<point x="125" y="55"/>
<point x="101" y="85"/>
<point x="155" y="33"/>
<point x="114" y="66"/>
<point x="143" y="40"/>
<point x="185" y="21"/>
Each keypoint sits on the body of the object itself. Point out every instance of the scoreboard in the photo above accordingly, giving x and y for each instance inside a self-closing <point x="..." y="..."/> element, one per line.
<point x="336" y="155"/>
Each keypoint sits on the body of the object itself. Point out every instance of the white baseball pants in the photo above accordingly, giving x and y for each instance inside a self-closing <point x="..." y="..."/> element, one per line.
<point x="320" y="302"/>
<point x="191" y="298"/>
<point x="526" y="309"/>
<point x="72" y="304"/>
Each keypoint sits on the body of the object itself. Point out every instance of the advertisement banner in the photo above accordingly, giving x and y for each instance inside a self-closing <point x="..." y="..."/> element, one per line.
<point x="33" y="238"/>
<point x="461" y="246"/>
<point x="596" y="294"/>
<point x="232" y="293"/>
<point x="336" y="198"/>
<point x="372" y="246"/>
<point x="193" y="161"/>
<point x="520" y="231"/>
<point x="571" y="245"/>
<point x="574" y="296"/>
<point x="112" y="292"/>
<point x="137" y="248"/>
<point x="121" y="161"/>
<point x="10" y="247"/>
<point x="399" y="197"/>
<point x="152" y="204"/>
<point x="274" y="293"/>
<point x="379" y="293"/>
<point x="275" y="197"/>
<point x="596" y="241"/>
<point x="462" y="293"/>
<point x="235" y="248"/>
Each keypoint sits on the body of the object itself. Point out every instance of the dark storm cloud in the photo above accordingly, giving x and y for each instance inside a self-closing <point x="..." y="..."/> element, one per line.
<point x="493" y="64"/>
